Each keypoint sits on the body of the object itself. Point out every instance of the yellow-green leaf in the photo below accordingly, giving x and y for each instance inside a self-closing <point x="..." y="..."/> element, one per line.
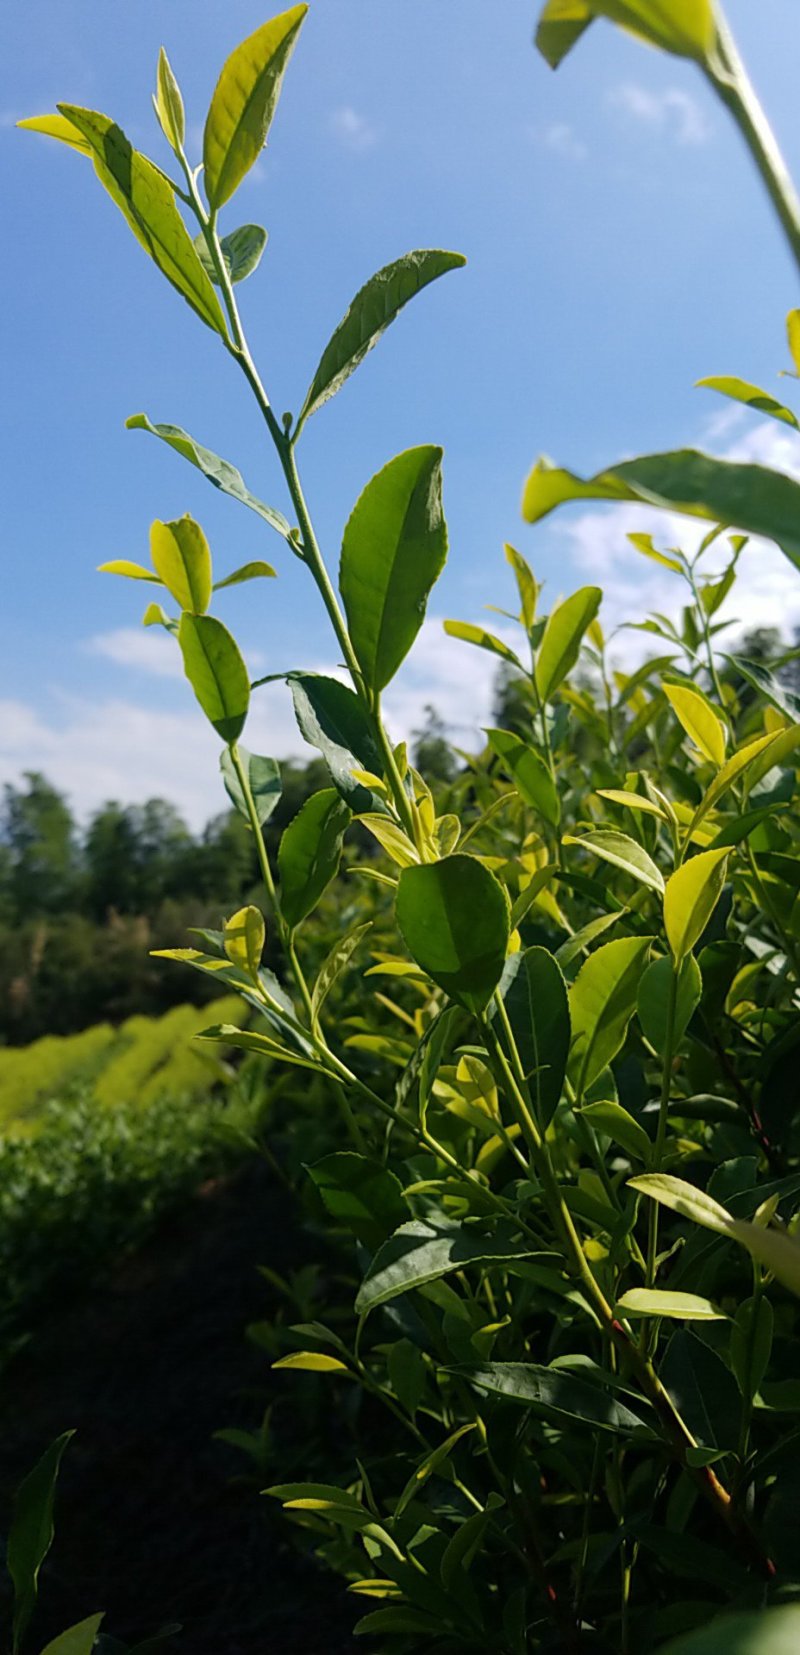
<point x="257" y="570"/>
<point x="562" y="637"/>
<point x="245" y="934"/>
<point x="623" y="852"/>
<point x="182" y="560"/>
<point x="699" y="720"/>
<point x="131" y="571"/>
<point x="683" y="1307"/>
<point x="169" y="104"/>
<point x="690" y="898"/>
<point x="216" y="672"/>
<point x="792" y="330"/>
<point x="685" y="1200"/>
<point x="145" y="198"/>
<point x="57" y="126"/>
<point x="741" y="390"/>
<point x="482" y="639"/>
<point x="685" y="27"/>
<point x="244" y="102"/>
<point x="312" y="1361"/>
<point x="602" y="1000"/>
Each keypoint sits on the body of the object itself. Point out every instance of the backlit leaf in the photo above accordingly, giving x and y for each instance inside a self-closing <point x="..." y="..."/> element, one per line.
<point x="454" y="919"/>
<point x="244" y="102"/>
<point x="740" y="390"/>
<point x="182" y="560"/>
<point x="617" y="1124"/>
<point x="146" y="200"/>
<point x="691" y="896"/>
<point x="602" y="1001"/>
<point x="79" y="1639"/>
<point x="699" y="720"/>
<point x="244" y="937"/>
<point x="264" y="779"/>
<point x="311" y="1361"/>
<point x="562" y="638"/>
<point x="749" y="497"/>
<point x="394" y="549"/>
<point x="623" y="852"/>
<point x="257" y="570"/>
<point x="682" y="1307"/>
<point x="241" y="252"/>
<point x="373" y="308"/>
<point x="221" y="473"/>
<point x="169" y="104"/>
<point x="216" y="672"/>
<point x="482" y="639"/>
<point x="57" y="126"/>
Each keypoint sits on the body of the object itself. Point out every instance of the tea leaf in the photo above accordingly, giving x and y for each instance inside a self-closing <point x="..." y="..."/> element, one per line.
<point x="169" y="104"/>
<point x="620" y="1126"/>
<point x="685" y="1200"/>
<point x="241" y="252"/>
<point x="332" y="967"/>
<point x="145" y="199"/>
<point x="699" y="720"/>
<point x="653" y="1000"/>
<point x="562" y="638"/>
<point x="683" y="1307"/>
<point x="535" y="997"/>
<point x="740" y="390"/>
<point x="425" y="1250"/>
<point x="244" y="102"/>
<point x="755" y="499"/>
<point x="454" y="919"/>
<point x="310" y="851"/>
<point x="216" y="672"/>
<point x="331" y="718"/>
<point x="182" y="560"/>
<point x="244" y="937"/>
<point x="361" y="1194"/>
<point x="751" y="1344"/>
<point x="623" y="852"/>
<point x="691" y="896"/>
<point x="482" y="639"/>
<point x="560" y="26"/>
<point x="764" y="1632"/>
<point x="221" y="473"/>
<point x="264" y="779"/>
<point x="529" y="773"/>
<point x="57" y="126"/>
<point x="77" y="1640"/>
<point x="131" y="571"/>
<point x="394" y="549"/>
<point x="311" y="1361"/>
<point x="602" y="1001"/>
<point x="372" y="310"/>
<point x="30" y="1535"/>
<point x="554" y="1393"/>
<point x="258" y="570"/>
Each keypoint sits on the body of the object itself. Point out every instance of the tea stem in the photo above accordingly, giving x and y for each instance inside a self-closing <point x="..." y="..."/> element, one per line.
<point x="733" y="86"/>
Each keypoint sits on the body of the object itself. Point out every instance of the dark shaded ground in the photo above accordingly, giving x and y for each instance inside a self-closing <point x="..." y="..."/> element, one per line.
<point x="154" y="1521"/>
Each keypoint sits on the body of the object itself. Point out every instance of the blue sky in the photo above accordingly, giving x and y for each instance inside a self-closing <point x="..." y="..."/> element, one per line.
<point x="619" y="247"/>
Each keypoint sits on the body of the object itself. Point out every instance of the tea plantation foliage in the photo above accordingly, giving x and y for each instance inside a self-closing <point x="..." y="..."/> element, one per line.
<point x="552" y="1047"/>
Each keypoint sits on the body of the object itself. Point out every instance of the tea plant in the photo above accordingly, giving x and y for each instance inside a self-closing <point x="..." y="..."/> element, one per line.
<point x="568" y="1142"/>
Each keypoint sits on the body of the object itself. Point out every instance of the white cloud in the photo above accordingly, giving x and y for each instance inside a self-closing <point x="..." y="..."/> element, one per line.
<point x="94" y="750"/>
<point x="148" y="649"/>
<point x="672" y="111"/>
<point x="353" y="130"/>
<point x="562" y="139"/>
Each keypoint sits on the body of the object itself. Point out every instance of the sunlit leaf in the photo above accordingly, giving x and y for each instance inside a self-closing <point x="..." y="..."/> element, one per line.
<point x="310" y="852"/>
<point x="682" y="1307"/>
<point x="244" y="936"/>
<point x="691" y="896"/>
<point x="562" y="638"/>
<point x="169" y="104"/>
<point x="653" y="1000"/>
<point x="264" y="781"/>
<point x="426" y="1249"/>
<point x="221" y="473"/>
<point x="79" y="1639"/>
<point x="602" y="1001"/>
<point x="216" y="672"/>
<point x="241" y="252"/>
<point x="623" y="852"/>
<point x="740" y="390"/>
<point x="529" y="773"/>
<point x="699" y="720"/>
<point x="244" y="102"/>
<point x="182" y="560"/>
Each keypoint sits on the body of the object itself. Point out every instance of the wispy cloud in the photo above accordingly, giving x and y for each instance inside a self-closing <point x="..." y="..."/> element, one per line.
<point x="354" y="130"/>
<point x="149" y="650"/>
<point x="561" y="139"/>
<point x="672" y="112"/>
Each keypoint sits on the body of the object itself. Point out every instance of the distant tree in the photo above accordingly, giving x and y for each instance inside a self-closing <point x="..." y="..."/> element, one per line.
<point x="38" y="835"/>
<point x="511" y="701"/>
<point x="432" y="754"/>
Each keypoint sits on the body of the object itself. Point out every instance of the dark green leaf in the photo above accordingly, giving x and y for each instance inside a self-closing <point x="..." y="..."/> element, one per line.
<point x="454" y="919"/>
<point x="332" y="719"/>
<point x="704" y="1391"/>
<point x="310" y="851"/>
<point x="264" y="778"/>
<point x="31" y="1533"/>
<point x="535" y="996"/>
<point x="241" y="252"/>
<point x="653" y="1001"/>
<point x="425" y="1250"/>
<point x="529" y="773"/>
<point x="555" y="1394"/>
<point x="361" y="1194"/>
<point x="394" y="549"/>
<point x="373" y="308"/>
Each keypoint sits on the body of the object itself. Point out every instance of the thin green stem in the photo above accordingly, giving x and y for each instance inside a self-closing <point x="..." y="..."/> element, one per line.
<point x="663" y="1112"/>
<point x="732" y="84"/>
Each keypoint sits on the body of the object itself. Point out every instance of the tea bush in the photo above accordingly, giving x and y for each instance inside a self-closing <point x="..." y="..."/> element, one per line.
<point x="568" y="1153"/>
